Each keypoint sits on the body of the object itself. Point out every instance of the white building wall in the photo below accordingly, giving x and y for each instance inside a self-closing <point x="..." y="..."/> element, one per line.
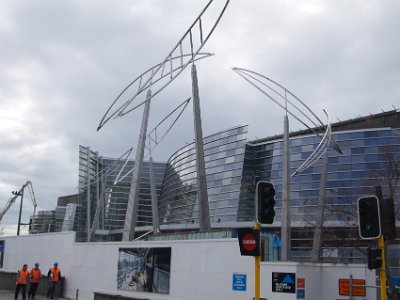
<point x="200" y="269"/>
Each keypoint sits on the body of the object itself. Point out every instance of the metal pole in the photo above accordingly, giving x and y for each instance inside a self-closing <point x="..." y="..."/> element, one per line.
<point x="20" y="210"/>
<point x="202" y="196"/>
<point x="319" y="222"/>
<point x="88" y="202"/>
<point x="382" y="273"/>
<point x="257" y="263"/>
<point x="154" y="203"/>
<point x="351" y="287"/>
<point x="131" y="211"/>
<point x="285" y="223"/>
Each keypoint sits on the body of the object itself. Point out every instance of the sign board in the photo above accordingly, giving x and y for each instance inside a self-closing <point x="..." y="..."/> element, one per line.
<point x="301" y="288"/>
<point x="357" y="288"/>
<point x="249" y="241"/>
<point x="239" y="282"/>
<point x="301" y="294"/>
<point x="284" y="282"/>
<point x="301" y="283"/>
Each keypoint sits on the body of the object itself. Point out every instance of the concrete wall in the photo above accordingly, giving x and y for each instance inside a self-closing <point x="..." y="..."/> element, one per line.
<point x="200" y="269"/>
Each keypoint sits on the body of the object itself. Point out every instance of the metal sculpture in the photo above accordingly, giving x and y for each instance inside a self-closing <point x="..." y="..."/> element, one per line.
<point x="152" y="137"/>
<point x="155" y="74"/>
<point x="156" y="77"/>
<point x="262" y="82"/>
<point x="292" y="105"/>
<point x="148" y="79"/>
<point x="103" y="174"/>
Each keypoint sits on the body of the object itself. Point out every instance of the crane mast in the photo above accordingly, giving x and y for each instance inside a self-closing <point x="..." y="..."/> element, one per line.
<point x="12" y="200"/>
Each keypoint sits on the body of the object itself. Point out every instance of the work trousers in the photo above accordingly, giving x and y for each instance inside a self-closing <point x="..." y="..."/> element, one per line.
<point x="52" y="288"/>
<point x="20" y="287"/>
<point x="32" y="290"/>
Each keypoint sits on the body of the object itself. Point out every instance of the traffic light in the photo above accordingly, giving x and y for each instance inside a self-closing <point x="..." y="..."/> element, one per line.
<point x="374" y="258"/>
<point x="265" y="193"/>
<point x="249" y="241"/>
<point x="388" y="219"/>
<point x="369" y="224"/>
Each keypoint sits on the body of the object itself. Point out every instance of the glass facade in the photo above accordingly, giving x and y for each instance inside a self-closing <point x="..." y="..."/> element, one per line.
<point x="45" y="221"/>
<point x="70" y="218"/>
<point x="366" y="160"/>
<point x="224" y="156"/>
<point x="363" y="165"/>
<point x="109" y="179"/>
<point x="370" y="157"/>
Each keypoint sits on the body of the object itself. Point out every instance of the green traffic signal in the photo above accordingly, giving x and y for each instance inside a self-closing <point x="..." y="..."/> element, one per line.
<point x="368" y="227"/>
<point x="369" y="217"/>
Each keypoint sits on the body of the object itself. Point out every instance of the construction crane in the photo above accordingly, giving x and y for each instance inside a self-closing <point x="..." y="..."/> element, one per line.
<point x="11" y="201"/>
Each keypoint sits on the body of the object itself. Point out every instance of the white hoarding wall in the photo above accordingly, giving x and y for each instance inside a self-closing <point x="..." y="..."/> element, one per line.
<point x="195" y="270"/>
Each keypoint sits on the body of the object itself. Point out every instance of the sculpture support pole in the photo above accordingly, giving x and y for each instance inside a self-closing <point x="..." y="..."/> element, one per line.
<point x="319" y="220"/>
<point x="202" y="196"/>
<point x="285" y="221"/>
<point x="132" y="207"/>
<point x="154" y="203"/>
<point x="88" y="200"/>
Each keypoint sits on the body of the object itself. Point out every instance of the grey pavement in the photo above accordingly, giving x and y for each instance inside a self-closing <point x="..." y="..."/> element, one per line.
<point x="9" y="295"/>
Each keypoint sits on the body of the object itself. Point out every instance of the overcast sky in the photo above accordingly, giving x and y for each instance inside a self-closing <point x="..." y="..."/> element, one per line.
<point x="62" y="63"/>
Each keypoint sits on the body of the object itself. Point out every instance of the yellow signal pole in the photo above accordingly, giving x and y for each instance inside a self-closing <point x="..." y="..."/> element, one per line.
<point x="382" y="274"/>
<point x="257" y="263"/>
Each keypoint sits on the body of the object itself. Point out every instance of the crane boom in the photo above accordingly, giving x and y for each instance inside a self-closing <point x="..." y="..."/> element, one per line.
<point x="11" y="201"/>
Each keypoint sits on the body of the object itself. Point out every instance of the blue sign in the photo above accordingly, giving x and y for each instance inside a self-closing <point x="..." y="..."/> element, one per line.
<point x="395" y="280"/>
<point x="239" y="282"/>
<point x="301" y="293"/>
<point x="288" y="279"/>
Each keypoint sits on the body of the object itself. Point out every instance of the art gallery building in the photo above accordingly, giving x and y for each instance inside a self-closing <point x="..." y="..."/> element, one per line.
<point x="370" y="146"/>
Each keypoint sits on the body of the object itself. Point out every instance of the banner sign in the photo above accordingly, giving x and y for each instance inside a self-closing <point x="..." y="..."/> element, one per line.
<point x="284" y="282"/>
<point x="144" y="270"/>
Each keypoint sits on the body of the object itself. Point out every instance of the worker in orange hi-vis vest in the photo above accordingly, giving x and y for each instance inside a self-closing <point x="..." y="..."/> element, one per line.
<point x="35" y="275"/>
<point x="54" y="276"/>
<point x="22" y="280"/>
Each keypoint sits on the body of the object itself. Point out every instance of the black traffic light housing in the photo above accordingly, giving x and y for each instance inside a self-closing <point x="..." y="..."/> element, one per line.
<point x="374" y="258"/>
<point x="249" y="241"/>
<point x="388" y="219"/>
<point x="265" y="198"/>
<point x="369" y="224"/>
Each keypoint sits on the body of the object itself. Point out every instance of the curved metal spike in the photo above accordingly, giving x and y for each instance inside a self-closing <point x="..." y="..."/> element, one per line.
<point x="137" y="83"/>
<point x="158" y="71"/>
<point x="319" y="150"/>
<point x="253" y="75"/>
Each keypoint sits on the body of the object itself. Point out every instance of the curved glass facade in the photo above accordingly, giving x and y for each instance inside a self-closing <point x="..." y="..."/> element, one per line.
<point x="367" y="158"/>
<point x="363" y="164"/>
<point x="232" y="164"/>
<point x="224" y="156"/>
<point x="370" y="149"/>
